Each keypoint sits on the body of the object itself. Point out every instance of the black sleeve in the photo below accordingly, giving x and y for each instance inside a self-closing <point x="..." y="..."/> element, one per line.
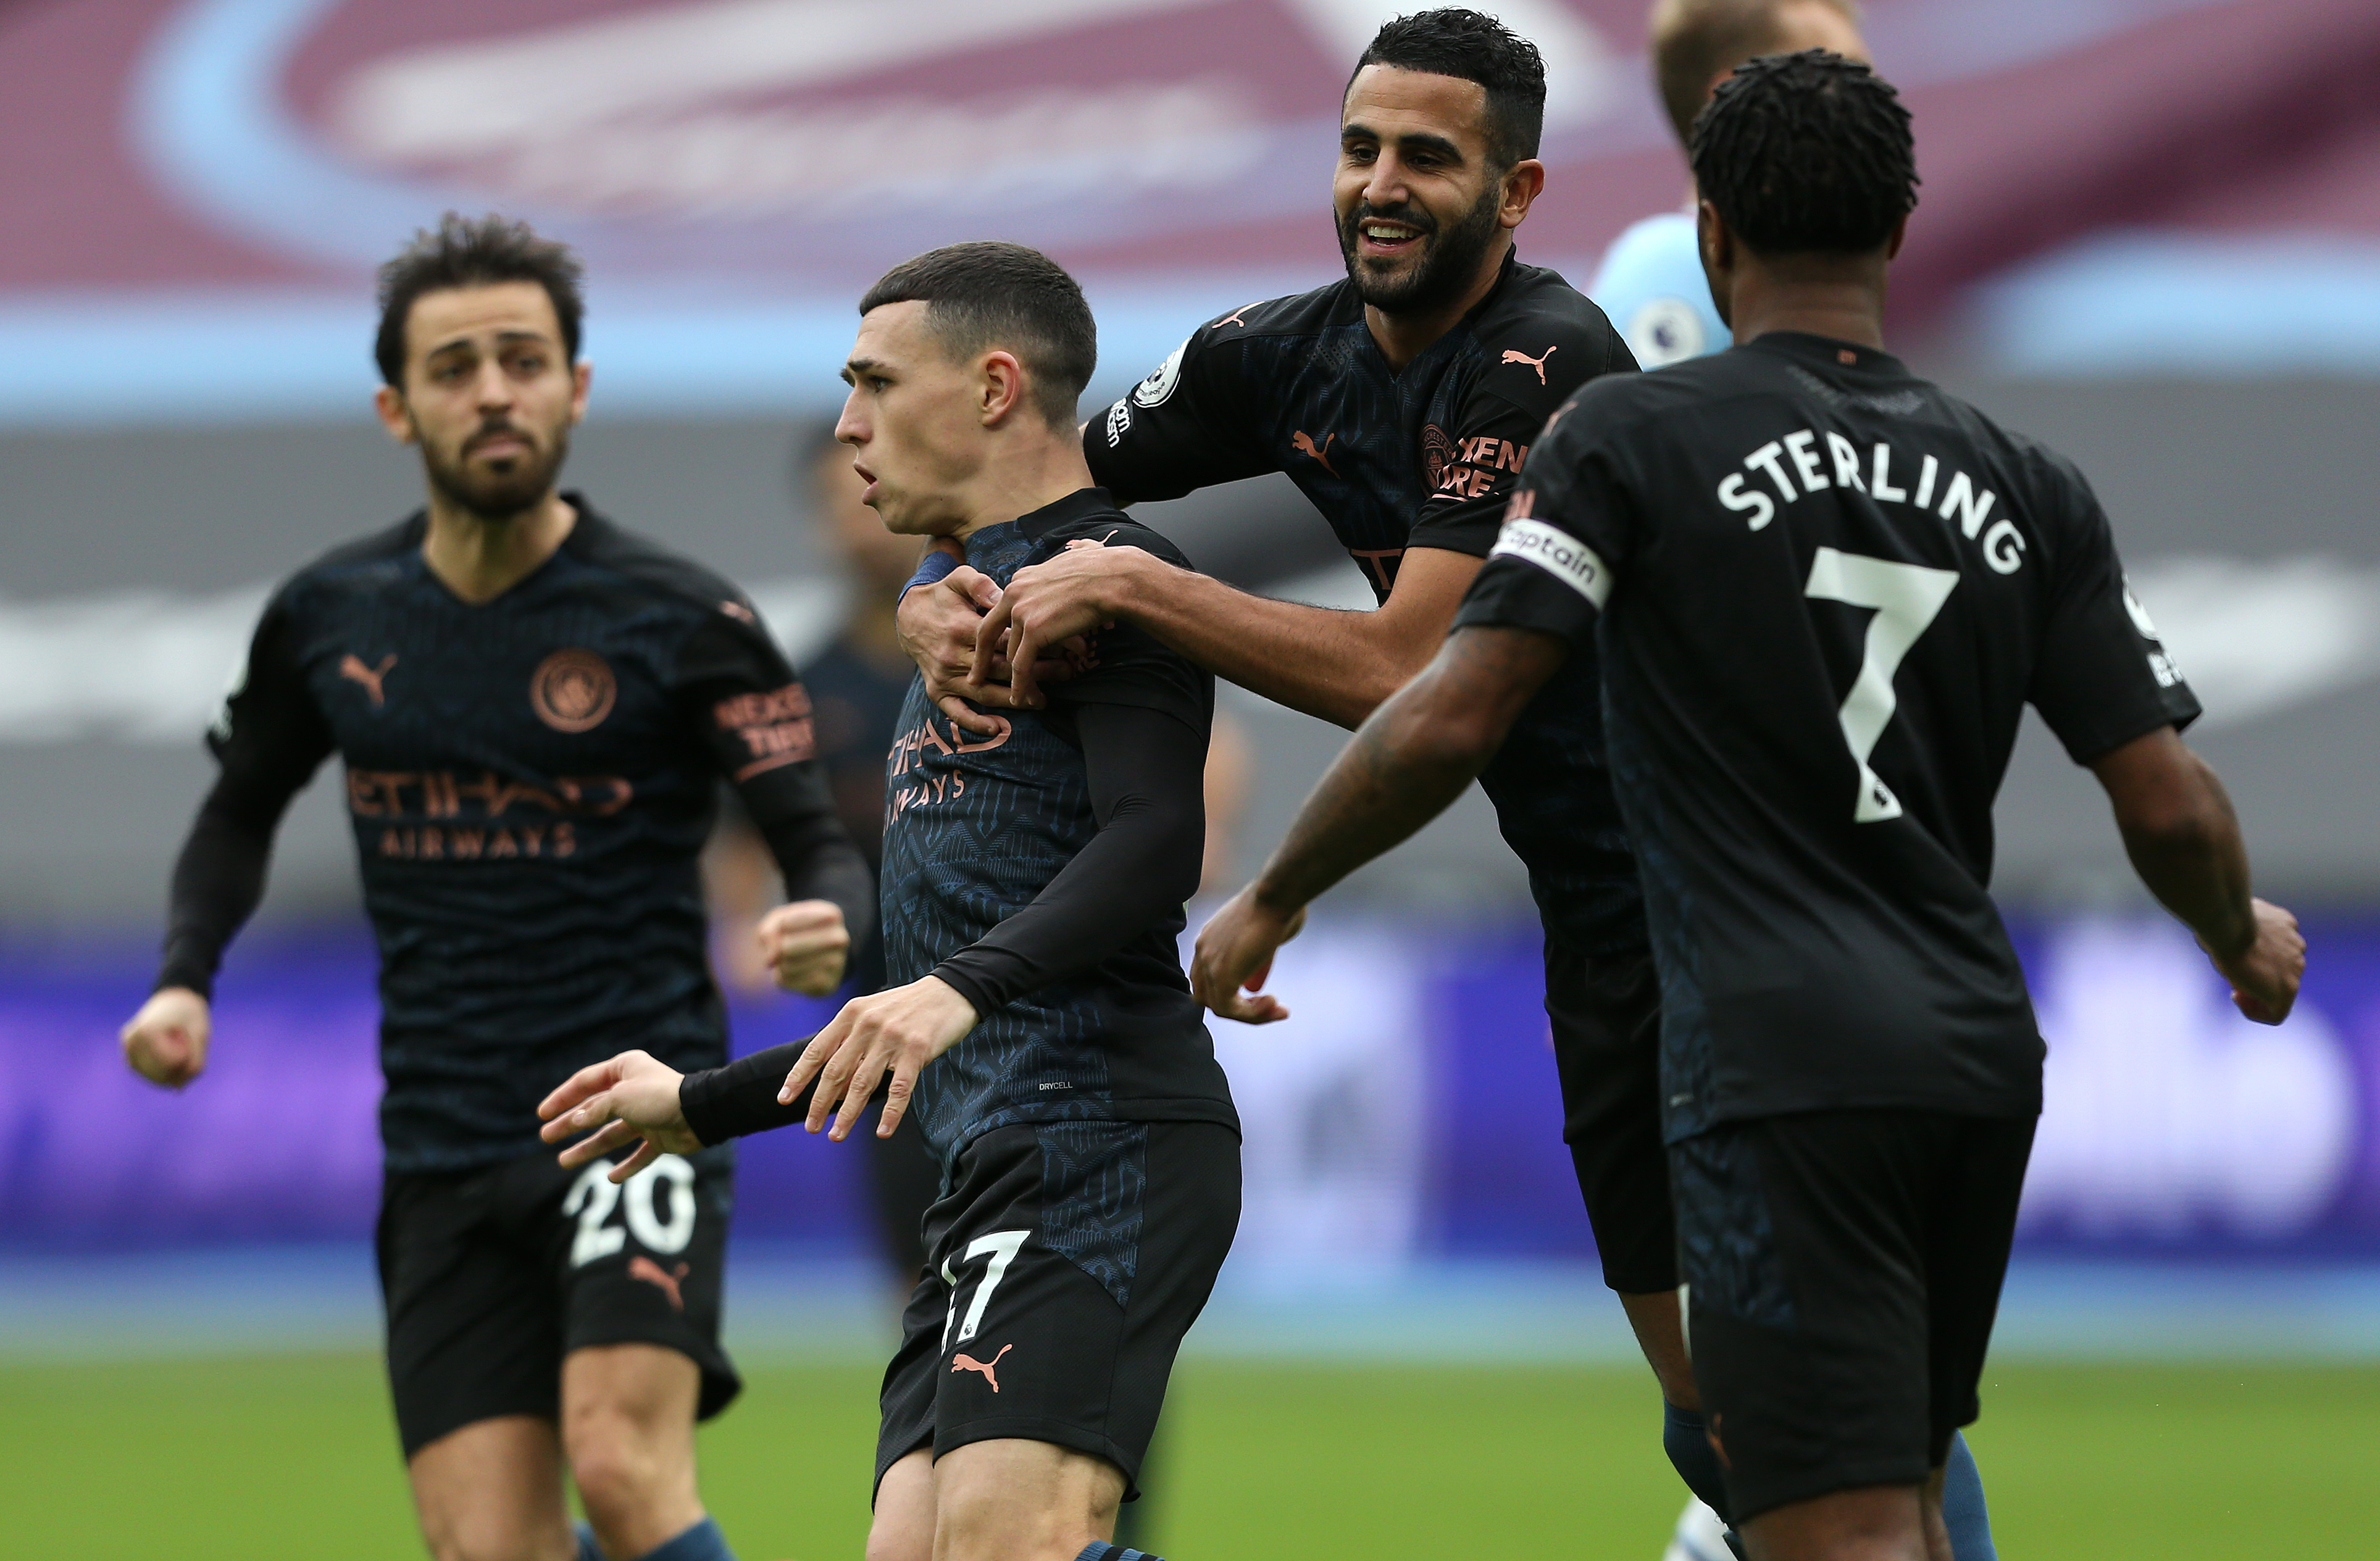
<point x="2102" y="676"/>
<point x="1475" y="469"/>
<point x="268" y="739"/>
<point x="1146" y="771"/>
<point x="1187" y="425"/>
<point x="754" y="714"/>
<point x="741" y="1098"/>
<point x="1568" y="524"/>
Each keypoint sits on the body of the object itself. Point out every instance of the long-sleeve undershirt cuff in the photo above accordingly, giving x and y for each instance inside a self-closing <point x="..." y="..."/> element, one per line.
<point x="741" y="1098"/>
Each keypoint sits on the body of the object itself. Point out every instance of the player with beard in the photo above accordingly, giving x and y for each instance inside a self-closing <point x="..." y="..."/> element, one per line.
<point x="1822" y="591"/>
<point x="535" y="709"/>
<point x="1401" y="400"/>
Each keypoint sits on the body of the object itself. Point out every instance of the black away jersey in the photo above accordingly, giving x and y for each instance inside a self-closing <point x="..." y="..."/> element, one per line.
<point x="1826" y="591"/>
<point x="1422" y="457"/>
<point x="978" y="828"/>
<point x="530" y="780"/>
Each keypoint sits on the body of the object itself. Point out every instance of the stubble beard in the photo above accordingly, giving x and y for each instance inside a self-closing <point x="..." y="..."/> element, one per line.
<point x="1449" y="264"/>
<point x="498" y="496"/>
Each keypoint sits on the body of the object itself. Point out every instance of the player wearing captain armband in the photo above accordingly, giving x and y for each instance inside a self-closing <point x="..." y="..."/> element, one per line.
<point x="1822" y="591"/>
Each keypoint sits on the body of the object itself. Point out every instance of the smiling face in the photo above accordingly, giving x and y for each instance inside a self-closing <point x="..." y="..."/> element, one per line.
<point x="913" y="419"/>
<point x="1418" y="200"/>
<point x="489" y="393"/>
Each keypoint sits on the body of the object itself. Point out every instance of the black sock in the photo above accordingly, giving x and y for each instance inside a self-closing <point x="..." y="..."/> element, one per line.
<point x="1694" y="1457"/>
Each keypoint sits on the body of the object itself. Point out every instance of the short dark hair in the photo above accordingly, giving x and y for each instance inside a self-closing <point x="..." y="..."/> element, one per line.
<point x="1692" y="40"/>
<point x="1471" y="47"/>
<point x="474" y="252"/>
<point x="1807" y="153"/>
<point x="989" y="294"/>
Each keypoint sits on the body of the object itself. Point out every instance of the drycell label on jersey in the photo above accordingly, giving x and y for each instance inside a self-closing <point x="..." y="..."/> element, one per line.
<point x="1153" y="391"/>
<point x="1906" y="597"/>
<point x="1118" y="422"/>
<point x="573" y="690"/>
<point x="1001" y="1247"/>
<point x="595" y="1195"/>
<point x="1799" y="464"/>
<point x="1558" y="553"/>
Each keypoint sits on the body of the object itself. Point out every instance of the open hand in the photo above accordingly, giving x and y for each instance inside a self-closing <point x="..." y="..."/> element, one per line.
<point x="167" y="1041"/>
<point x="899" y="1031"/>
<point x="632" y="1096"/>
<point x="2264" y="976"/>
<point x="807" y="944"/>
<point x="1235" y="958"/>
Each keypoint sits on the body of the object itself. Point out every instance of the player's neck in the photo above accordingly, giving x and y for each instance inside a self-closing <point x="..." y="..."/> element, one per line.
<point x="480" y="559"/>
<point x="1022" y="478"/>
<point x="1402" y="338"/>
<point x="1842" y="300"/>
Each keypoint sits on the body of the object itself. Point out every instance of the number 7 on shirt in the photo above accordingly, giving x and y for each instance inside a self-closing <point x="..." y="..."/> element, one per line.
<point x="1906" y="597"/>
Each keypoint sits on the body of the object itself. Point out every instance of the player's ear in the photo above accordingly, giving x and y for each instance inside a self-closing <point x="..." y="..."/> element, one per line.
<point x="582" y="374"/>
<point x="1899" y="236"/>
<point x="389" y="401"/>
<point x="1524" y="182"/>
<point x="1000" y="387"/>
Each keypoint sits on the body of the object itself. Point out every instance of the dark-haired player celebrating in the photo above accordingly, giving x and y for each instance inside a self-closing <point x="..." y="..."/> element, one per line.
<point x="1824" y="590"/>
<point x="535" y="709"/>
<point x="1041" y="1029"/>
<point x="1401" y="400"/>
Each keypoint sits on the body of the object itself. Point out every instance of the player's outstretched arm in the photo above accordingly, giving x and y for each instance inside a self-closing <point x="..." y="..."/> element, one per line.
<point x="2184" y="841"/>
<point x="1329" y="664"/>
<point x="897" y="1032"/>
<point x="633" y="1097"/>
<point x="1412" y="758"/>
<point x="167" y="1041"/>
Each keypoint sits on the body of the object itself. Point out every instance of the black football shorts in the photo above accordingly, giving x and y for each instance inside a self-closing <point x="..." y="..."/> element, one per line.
<point x="492" y="1275"/>
<point x="1064" y="1267"/>
<point x="1606" y="1014"/>
<point x="1843" y="1268"/>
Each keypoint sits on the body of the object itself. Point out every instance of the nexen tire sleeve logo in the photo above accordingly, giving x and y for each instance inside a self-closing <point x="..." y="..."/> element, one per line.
<point x="1559" y="554"/>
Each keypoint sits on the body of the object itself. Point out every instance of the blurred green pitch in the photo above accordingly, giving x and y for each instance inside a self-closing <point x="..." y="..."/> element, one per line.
<point x="263" y="1457"/>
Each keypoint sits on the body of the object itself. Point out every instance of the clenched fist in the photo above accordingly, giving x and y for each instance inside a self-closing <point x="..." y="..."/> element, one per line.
<point x="807" y="944"/>
<point x="167" y="1041"/>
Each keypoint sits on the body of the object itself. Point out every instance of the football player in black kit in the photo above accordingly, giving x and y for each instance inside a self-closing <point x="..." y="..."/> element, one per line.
<point x="1401" y="400"/>
<point x="1824" y="591"/>
<point x="535" y="709"/>
<point x="1040" y="1026"/>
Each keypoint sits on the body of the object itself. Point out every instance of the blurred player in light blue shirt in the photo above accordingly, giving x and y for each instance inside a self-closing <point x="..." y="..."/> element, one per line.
<point x="1651" y="280"/>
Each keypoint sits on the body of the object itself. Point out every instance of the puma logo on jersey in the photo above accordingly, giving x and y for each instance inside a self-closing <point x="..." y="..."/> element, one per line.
<point x="969" y="1364"/>
<point x="1303" y="444"/>
<point x="351" y="667"/>
<point x="1514" y="355"/>
<point x="652" y="1273"/>
<point x="1234" y="318"/>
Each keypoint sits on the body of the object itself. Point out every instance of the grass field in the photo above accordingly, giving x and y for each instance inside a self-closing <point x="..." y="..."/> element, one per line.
<point x="264" y="1458"/>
